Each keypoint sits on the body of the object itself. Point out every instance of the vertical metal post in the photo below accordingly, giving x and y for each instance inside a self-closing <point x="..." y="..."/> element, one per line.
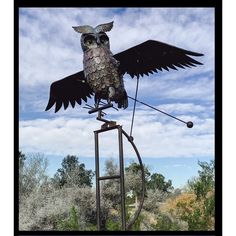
<point x="97" y="181"/>
<point x="122" y="182"/>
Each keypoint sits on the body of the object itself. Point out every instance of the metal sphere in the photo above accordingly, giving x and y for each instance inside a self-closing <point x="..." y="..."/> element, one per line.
<point x="189" y="124"/>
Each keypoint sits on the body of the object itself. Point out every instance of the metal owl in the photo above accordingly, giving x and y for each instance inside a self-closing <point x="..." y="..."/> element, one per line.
<point x="102" y="75"/>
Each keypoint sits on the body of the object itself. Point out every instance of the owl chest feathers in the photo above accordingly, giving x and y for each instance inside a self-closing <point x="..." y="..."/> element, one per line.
<point x="101" y="70"/>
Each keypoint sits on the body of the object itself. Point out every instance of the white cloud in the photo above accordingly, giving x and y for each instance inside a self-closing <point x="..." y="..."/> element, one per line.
<point x="152" y="137"/>
<point x="181" y="87"/>
<point x="50" y="50"/>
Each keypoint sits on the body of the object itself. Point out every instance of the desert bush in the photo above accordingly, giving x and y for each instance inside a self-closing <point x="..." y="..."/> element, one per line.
<point x="166" y="222"/>
<point x="196" y="206"/>
<point x="45" y="211"/>
<point x="154" y="199"/>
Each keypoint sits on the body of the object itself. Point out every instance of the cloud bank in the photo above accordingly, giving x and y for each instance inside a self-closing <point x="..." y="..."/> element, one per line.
<point x="50" y="50"/>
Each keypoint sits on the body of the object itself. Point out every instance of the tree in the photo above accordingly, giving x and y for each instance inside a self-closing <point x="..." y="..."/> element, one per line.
<point x="32" y="173"/>
<point x="73" y="173"/>
<point x="205" y="182"/>
<point x="204" y="188"/>
<point x="157" y="181"/>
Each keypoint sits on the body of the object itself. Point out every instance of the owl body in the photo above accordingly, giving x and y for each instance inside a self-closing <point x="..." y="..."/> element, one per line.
<point x="101" y="70"/>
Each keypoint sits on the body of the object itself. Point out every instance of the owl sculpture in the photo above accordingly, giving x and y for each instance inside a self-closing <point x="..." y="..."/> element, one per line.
<point x="102" y="75"/>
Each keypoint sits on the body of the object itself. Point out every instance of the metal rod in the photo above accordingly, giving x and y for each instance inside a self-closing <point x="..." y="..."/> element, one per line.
<point x="109" y="177"/>
<point x="135" y="100"/>
<point x="154" y="108"/>
<point x="122" y="182"/>
<point x="97" y="181"/>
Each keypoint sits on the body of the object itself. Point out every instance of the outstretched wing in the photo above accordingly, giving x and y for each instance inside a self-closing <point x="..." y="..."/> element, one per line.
<point x="150" y="56"/>
<point x="71" y="89"/>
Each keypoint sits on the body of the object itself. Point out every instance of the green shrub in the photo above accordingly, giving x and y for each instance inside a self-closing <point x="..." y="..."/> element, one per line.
<point x="72" y="223"/>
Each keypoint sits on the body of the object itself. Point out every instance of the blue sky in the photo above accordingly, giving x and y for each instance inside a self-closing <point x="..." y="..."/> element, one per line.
<point x="50" y="50"/>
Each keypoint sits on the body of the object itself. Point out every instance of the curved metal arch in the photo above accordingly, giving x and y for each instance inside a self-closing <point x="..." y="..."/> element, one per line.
<point x="137" y="213"/>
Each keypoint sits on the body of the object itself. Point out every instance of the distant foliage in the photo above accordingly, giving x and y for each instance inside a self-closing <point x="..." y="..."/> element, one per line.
<point x="32" y="174"/>
<point x="47" y="210"/>
<point x="203" y="216"/>
<point x="154" y="199"/>
<point x="72" y="173"/>
<point x="157" y="181"/>
<point x="68" y="201"/>
<point x="166" y="222"/>
<point x="205" y="182"/>
<point x="114" y="221"/>
<point x="197" y="206"/>
<point x="133" y="178"/>
<point x="110" y="189"/>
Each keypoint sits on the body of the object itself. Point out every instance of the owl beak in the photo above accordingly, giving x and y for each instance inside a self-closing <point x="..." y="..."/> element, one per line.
<point x="98" y="41"/>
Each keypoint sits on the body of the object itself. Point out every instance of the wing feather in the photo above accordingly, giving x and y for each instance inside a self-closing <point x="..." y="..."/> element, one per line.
<point x="71" y="89"/>
<point x="151" y="56"/>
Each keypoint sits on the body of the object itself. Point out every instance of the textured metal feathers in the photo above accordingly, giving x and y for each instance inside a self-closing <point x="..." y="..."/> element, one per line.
<point x="101" y="71"/>
<point x="151" y="56"/>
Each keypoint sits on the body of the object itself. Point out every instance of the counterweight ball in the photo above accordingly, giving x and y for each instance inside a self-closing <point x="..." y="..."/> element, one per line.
<point x="189" y="124"/>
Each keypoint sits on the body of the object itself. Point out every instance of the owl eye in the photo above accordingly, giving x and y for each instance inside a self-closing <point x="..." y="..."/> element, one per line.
<point x="104" y="39"/>
<point x="89" y="40"/>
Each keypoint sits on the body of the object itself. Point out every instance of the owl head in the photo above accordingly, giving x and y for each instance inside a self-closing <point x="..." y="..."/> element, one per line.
<point x="94" y="37"/>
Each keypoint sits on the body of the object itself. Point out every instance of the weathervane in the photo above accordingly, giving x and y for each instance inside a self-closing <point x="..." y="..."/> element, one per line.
<point x="102" y="77"/>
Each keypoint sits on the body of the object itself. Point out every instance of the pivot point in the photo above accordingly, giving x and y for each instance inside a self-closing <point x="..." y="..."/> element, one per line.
<point x="189" y="124"/>
<point x="131" y="138"/>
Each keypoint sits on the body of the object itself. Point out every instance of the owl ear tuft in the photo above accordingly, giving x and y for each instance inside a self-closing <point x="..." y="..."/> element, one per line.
<point x="84" y="29"/>
<point x="104" y="27"/>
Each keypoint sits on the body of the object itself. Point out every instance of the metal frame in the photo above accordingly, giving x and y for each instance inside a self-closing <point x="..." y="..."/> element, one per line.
<point x="121" y="132"/>
<point x="120" y="176"/>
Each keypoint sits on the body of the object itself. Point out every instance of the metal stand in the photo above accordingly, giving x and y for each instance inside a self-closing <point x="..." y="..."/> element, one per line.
<point x="120" y="176"/>
<point x="107" y="126"/>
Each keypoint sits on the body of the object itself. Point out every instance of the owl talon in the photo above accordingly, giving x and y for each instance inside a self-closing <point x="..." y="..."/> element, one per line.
<point x="111" y="92"/>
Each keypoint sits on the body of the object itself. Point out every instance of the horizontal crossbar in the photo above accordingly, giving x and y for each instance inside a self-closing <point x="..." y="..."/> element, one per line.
<point x="106" y="129"/>
<point x="109" y="177"/>
<point x="100" y="108"/>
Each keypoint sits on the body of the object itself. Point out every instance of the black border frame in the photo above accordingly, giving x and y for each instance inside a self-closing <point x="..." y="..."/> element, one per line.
<point x="217" y="5"/>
